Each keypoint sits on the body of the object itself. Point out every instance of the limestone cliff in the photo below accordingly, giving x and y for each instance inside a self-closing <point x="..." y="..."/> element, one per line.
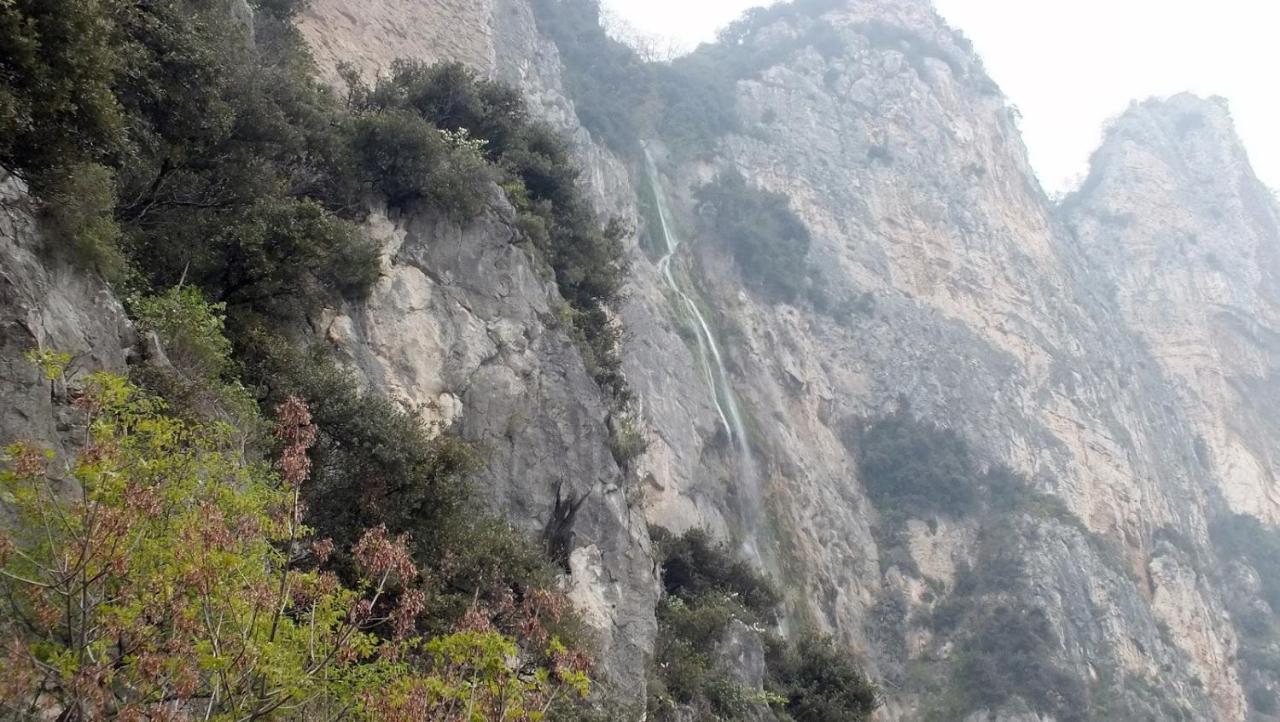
<point x="48" y="303"/>
<point x="1118" y="349"/>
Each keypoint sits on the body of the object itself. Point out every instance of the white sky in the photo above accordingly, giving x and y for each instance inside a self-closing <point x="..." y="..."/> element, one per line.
<point x="1069" y="66"/>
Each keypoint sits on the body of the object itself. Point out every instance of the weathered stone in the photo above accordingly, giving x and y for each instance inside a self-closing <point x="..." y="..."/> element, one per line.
<point x="48" y="302"/>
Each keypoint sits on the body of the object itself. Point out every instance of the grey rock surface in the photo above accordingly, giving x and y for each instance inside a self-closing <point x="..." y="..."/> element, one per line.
<point x="48" y="302"/>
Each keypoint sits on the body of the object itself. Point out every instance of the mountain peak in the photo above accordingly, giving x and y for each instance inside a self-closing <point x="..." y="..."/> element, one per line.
<point x="1185" y="138"/>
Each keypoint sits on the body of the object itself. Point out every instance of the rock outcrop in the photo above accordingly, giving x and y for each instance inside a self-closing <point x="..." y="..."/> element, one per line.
<point x="464" y="327"/>
<point x="48" y="303"/>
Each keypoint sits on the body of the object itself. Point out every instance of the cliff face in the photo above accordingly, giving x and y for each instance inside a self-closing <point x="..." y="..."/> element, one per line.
<point x="466" y="326"/>
<point x="1119" y="350"/>
<point x="1174" y="218"/>
<point x="994" y="314"/>
<point x="47" y="303"/>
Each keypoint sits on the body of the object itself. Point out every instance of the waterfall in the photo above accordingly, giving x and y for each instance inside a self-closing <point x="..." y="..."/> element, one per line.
<point x="712" y="362"/>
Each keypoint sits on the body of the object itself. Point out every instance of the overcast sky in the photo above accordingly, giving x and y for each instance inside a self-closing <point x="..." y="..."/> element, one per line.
<point x="1069" y="66"/>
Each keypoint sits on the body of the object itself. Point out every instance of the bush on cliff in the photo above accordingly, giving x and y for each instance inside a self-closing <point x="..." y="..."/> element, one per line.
<point x="706" y="588"/>
<point x="417" y="105"/>
<point x="180" y="577"/>
<point x="768" y="240"/>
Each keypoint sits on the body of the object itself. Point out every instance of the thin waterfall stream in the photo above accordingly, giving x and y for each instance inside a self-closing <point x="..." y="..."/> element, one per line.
<point x="712" y="361"/>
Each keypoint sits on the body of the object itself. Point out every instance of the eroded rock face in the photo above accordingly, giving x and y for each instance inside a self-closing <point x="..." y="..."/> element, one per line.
<point x="1094" y="362"/>
<point x="48" y="302"/>
<point x="1174" y="218"/>
<point x="464" y="328"/>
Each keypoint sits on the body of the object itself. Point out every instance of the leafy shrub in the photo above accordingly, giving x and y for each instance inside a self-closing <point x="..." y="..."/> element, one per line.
<point x="189" y="360"/>
<point x="694" y="566"/>
<point x="1008" y="654"/>
<point x="79" y="204"/>
<point x="706" y="588"/>
<point x="114" y="596"/>
<point x="1243" y="537"/>
<point x="819" y="683"/>
<point x="915" y="466"/>
<point x="280" y="255"/>
<point x="626" y="438"/>
<point x="410" y="162"/>
<point x="59" y="61"/>
<point x="768" y="241"/>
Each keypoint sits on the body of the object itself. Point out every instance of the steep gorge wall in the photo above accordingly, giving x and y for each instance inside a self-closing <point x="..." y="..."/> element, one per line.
<point x="466" y="327"/>
<point x="945" y="277"/>
<point x="905" y="163"/>
<point x="1120" y="349"/>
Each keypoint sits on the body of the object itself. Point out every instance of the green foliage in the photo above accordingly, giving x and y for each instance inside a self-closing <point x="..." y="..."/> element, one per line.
<point x="815" y="682"/>
<point x="241" y="161"/>
<point x="189" y="360"/>
<point x="179" y="576"/>
<point x="52" y="364"/>
<point x="191" y="329"/>
<point x="626" y="438"/>
<point x="79" y="204"/>
<point x="914" y="466"/>
<point x="374" y="461"/>
<point x="1003" y="648"/>
<point x="159" y="134"/>
<point x="1243" y="537"/>
<point x="282" y="254"/>
<point x="706" y="588"/>
<point x="59" y="61"/>
<point x="769" y="242"/>
<point x="686" y="672"/>
<point x="694" y="566"/>
<point x="1007" y="654"/>
<point x="410" y="163"/>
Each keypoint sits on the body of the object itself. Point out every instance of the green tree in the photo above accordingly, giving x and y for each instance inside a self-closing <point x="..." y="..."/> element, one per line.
<point x="768" y="241"/>
<point x="177" y="576"/>
<point x="818" y="683"/>
<point x="59" y="62"/>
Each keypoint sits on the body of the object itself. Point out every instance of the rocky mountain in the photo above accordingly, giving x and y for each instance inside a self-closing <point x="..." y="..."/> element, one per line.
<point x="1089" y="385"/>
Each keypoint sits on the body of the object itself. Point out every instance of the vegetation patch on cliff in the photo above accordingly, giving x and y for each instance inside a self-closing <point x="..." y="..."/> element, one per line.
<point x="768" y="240"/>
<point x="706" y="590"/>
<point x="993" y="646"/>
<point x="1250" y="552"/>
